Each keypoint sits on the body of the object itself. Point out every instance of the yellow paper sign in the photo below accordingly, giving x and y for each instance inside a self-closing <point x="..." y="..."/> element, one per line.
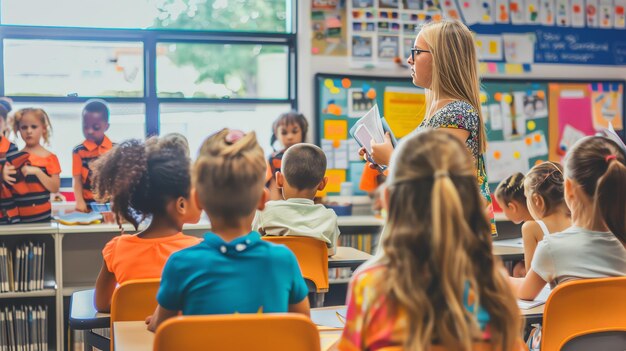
<point x="335" y="178"/>
<point x="335" y="130"/>
<point x="404" y="109"/>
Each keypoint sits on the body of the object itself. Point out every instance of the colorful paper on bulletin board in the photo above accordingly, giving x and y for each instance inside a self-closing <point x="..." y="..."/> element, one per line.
<point x="504" y="158"/>
<point x="404" y="109"/>
<point x="328" y="24"/>
<point x="608" y="106"/>
<point x="335" y="178"/>
<point x="335" y="129"/>
<point x="575" y="112"/>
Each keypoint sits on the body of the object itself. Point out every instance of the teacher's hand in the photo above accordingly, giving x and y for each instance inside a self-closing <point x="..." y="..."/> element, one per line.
<point x="381" y="153"/>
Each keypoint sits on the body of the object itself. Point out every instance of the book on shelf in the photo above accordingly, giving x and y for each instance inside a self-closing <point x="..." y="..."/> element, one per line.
<point x="24" y="327"/>
<point x="22" y="268"/>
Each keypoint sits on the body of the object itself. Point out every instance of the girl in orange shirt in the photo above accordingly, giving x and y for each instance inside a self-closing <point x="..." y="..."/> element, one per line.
<point x="37" y="170"/>
<point x="141" y="180"/>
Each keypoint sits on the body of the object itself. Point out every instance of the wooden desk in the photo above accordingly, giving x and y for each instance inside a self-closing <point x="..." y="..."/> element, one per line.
<point x="348" y="257"/>
<point x="508" y="253"/>
<point x="134" y="336"/>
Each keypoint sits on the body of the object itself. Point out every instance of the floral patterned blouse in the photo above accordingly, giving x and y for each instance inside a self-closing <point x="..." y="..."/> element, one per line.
<point x="460" y="114"/>
<point x="370" y="322"/>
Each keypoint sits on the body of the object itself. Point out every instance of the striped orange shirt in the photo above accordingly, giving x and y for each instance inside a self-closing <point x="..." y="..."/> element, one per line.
<point x="31" y="197"/>
<point x="82" y="156"/>
<point x="8" y="209"/>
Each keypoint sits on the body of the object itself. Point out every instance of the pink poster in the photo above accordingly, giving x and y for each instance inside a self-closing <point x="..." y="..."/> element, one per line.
<point x="577" y="114"/>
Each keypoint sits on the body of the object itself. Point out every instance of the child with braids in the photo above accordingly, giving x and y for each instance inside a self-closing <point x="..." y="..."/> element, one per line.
<point x="232" y="270"/>
<point x="144" y="179"/>
<point x="435" y="280"/>
<point x="593" y="187"/>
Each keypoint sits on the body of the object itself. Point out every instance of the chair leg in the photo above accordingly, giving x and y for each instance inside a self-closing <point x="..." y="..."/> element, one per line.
<point x="318" y="299"/>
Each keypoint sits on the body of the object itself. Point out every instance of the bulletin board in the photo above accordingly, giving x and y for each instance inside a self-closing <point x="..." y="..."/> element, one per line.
<point x="526" y="121"/>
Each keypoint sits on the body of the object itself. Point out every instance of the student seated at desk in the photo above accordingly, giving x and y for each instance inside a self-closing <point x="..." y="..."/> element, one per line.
<point x="232" y="270"/>
<point x="151" y="179"/>
<point x="595" y="174"/>
<point x="436" y="280"/>
<point x="301" y="176"/>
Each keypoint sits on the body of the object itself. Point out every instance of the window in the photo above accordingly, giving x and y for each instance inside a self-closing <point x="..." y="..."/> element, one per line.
<point x="189" y="66"/>
<point x="197" y="121"/>
<point x="73" y="68"/>
<point x="216" y="15"/>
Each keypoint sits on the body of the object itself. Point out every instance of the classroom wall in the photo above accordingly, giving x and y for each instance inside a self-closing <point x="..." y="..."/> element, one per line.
<point x="309" y="65"/>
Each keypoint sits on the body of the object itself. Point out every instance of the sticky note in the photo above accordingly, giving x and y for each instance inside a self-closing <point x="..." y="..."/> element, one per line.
<point x="513" y="68"/>
<point x="335" y="178"/>
<point x="492" y="67"/>
<point x="335" y="129"/>
<point x="493" y="47"/>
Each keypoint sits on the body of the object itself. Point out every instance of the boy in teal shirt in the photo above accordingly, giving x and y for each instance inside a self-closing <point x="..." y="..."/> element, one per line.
<point x="232" y="270"/>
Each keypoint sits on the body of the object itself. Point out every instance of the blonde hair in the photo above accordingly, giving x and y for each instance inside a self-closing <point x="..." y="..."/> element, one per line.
<point x="437" y="245"/>
<point x="18" y="116"/>
<point x="229" y="175"/>
<point x="454" y="67"/>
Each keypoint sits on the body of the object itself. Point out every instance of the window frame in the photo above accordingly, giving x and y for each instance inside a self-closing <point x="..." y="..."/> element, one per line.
<point x="150" y="38"/>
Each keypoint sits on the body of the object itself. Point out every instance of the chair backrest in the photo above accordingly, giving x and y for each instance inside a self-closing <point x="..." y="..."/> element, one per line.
<point x="583" y="307"/>
<point x="312" y="255"/>
<point x="479" y="346"/>
<point x="260" y="332"/>
<point x="134" y="300"/>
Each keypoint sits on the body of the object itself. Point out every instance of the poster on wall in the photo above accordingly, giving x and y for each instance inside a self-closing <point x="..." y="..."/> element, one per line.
<point x="328" y="28"/>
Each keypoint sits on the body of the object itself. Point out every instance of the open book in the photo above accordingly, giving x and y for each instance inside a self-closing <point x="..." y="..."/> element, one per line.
<point x="539" y="300"/>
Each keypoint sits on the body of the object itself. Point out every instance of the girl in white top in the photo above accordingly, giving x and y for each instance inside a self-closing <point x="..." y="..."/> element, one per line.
<point x="595" y="174"/>
<point x="543" y="189"/>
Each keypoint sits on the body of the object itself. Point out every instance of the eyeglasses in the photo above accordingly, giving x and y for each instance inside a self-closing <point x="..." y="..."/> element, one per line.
<point x="418" y="51"/>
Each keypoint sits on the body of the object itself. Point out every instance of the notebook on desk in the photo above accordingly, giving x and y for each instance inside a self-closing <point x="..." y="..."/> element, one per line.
<point x="330" y="318"/>
<point x="538" y="301"/>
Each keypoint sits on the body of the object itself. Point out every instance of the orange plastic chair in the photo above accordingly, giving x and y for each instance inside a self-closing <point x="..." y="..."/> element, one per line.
<point x="583" y="307"/>
<point x="134" y="300"/>
<point x="478" y="346"/>
<point x="260" y="332"/>
<point x="312" y="255"/>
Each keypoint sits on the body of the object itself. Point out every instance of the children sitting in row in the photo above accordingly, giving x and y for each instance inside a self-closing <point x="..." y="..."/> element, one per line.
<point x="142" y="180"/>
<point x="232" y="270"/>
<point x="301" y="176"/>
<point x="95" y="120"/>
<point x="595" y="174"/>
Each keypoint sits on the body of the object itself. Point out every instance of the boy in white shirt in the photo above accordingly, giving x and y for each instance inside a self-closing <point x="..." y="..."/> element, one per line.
<point x="301" y="176"/>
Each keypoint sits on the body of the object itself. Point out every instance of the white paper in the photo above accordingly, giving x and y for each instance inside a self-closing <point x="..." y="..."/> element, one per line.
<point x="327" y="147"/>
<point x="353" y="151"/>
<point x="570" y="136"/>
<point x="532" y="11"/>
<point x="578" y="13"/>
<point x="371" y="120"/>
<point x="516" y="242"/>
<point x="471" y="12"/>
<point x="495" y="115"/>
<point x="538" y="301"/>
<point x="502" y="11"/>
<point x="329" y="317"/>
<point x="504" y="158"/>
<point x="489" y="47"/>
<point x="537" y="148"/>
<point x="546" y="12"/>
<point x="519" y="48"/>
<point x="592" y="13"/>
<point x="605" y="14"/>
<point x="519" y="16"/>
<point x="620" y="19"/>
<point x="562" y="13"/>
<point x="487" y="12"/>
<point x="450" y="9"/>
<point x="341" y="155"/>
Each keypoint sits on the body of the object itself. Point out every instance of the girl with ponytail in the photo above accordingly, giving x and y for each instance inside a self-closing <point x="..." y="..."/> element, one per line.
<point x="141" y="180"/>
<point x="593" y="247"/>
<point x="435" y="280"/>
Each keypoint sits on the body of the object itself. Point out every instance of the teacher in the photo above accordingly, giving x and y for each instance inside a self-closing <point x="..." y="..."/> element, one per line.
<point x="444" y="62"/>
